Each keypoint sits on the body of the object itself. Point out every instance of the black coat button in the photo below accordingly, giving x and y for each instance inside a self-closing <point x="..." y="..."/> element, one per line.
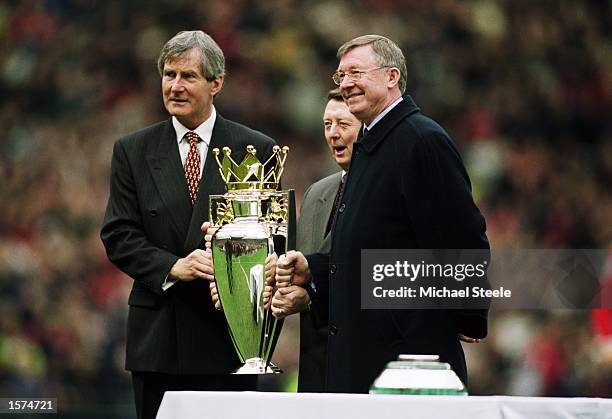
<point x="153" y="212"/>
<point x="333" y="269"/>
<point x="333" y="330"/>
<point x="342" y="208"/>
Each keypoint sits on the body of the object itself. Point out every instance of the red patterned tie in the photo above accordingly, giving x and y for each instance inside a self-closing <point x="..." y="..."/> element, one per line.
<point x="192" y="165"/>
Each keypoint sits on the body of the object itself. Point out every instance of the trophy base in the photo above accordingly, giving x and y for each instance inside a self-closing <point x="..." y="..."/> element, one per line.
<point x="257" y="366"/>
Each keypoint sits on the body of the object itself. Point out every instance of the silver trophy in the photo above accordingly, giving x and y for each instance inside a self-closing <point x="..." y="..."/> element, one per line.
<point x="254" y="220"/>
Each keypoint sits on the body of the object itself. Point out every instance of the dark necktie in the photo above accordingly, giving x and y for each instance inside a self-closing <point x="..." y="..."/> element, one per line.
<point x="337" y="201"/>
<point x="192" y="165"/>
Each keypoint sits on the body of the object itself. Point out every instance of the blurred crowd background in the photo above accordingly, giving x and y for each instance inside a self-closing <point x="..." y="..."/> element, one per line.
<point x="524" y="88"/>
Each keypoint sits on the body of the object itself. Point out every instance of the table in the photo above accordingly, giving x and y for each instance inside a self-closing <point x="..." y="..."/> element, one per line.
<point x="261" y="405"/>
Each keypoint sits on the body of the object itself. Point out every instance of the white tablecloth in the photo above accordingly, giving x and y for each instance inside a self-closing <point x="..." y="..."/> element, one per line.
<point x="259" y="405"/>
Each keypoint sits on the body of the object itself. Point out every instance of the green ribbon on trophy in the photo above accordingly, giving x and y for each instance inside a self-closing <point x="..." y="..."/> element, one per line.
<point x="253" y="220"/>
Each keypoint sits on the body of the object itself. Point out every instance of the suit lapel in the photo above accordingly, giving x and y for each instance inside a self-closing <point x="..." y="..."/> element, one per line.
<point x="380" y="131"/>
<point x="210" y="184"/>
<point x="169" y="177"/>
<point x="368" y="142"/>
<point x="326" y="202"/>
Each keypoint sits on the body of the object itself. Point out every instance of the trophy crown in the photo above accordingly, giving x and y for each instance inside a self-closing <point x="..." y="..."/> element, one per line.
<point x="250" y="174"/>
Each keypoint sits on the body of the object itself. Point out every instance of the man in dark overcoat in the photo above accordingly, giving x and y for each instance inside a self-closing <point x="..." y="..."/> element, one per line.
<point x="407" y="188"/>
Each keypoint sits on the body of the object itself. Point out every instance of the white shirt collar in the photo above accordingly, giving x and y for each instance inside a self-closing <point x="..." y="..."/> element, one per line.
<point x="382" y="114"/>
<point x="204" y="130"/>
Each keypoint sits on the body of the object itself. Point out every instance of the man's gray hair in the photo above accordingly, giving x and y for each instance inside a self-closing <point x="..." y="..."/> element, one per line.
<point x="388" y="54"/>
<point x="212" y="61"/>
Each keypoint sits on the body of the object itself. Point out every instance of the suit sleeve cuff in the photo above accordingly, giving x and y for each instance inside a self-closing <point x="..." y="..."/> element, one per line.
<point x="168" y="283"/>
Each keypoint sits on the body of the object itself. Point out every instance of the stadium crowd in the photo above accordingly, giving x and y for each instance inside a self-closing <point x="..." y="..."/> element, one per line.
<point x="523" y="87"/>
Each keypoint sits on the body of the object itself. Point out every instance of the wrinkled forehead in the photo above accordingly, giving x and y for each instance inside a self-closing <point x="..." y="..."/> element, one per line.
<point x="337" y="109"/>
<point x="357" y="57"/>
<point x="191" y="57"/>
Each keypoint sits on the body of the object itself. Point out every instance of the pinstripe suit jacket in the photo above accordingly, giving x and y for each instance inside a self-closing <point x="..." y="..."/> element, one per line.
<point x="149" y="224"/>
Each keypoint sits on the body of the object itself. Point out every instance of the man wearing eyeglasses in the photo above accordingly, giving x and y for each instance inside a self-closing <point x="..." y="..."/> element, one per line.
<point x="407" y="189"/>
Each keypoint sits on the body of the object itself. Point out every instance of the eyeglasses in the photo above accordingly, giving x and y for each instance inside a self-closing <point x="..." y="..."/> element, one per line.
<point x="354" y="75"/>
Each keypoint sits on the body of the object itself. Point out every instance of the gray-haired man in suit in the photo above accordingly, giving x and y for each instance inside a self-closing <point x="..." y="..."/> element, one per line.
<point x="161" y="177"/>
<point x="313" y="228"/>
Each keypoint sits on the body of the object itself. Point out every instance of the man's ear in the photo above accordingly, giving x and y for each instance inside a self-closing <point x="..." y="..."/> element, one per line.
<point x="393" y="75"/>
<point x="217" y="84"/>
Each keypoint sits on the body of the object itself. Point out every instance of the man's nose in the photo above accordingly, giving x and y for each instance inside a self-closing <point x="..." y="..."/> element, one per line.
<point x="177" y="85"/>
<point x="334" y="131"/>
<point x="346" y="82"/>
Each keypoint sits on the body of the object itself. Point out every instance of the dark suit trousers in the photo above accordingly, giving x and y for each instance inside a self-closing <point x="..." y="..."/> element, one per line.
<point x="149" y="387"/>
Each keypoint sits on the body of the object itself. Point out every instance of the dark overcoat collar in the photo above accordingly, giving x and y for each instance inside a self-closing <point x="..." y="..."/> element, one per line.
<point x="376" y="135"/>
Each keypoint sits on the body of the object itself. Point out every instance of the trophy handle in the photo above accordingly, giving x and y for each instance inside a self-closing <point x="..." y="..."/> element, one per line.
<point x="289" y="244"/>
<point x="291" y="222"/>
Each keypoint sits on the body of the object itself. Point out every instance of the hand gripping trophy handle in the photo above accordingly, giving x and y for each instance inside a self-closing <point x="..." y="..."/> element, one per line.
<point x="254" y="220"/>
